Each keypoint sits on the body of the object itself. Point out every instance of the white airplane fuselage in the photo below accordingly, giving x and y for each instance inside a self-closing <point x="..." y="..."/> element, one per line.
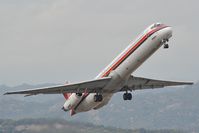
<point x="122" y="67"/>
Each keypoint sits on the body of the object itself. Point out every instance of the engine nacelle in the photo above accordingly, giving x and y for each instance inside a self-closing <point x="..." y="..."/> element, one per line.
<point x="71" y="102"/>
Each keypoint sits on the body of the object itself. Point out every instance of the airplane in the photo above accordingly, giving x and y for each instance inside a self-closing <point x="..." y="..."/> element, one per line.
<point x="116" y="77"/>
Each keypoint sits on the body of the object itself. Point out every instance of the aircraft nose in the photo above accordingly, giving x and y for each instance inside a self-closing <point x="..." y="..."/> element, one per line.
<point x="169" y="32"/>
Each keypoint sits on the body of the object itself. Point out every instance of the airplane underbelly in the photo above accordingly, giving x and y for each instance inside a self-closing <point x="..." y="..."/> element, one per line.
<point x="89" y="102"/>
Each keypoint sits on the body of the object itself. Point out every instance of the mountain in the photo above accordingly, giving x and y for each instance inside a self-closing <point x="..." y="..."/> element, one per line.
<point x="167" y="108"/>
<point x="63" y="126"/>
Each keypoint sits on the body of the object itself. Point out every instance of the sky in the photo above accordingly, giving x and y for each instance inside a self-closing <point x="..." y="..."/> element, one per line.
<point x="54" y="41"/>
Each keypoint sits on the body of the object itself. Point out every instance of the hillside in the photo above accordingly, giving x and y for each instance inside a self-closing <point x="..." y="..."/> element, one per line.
<point x="63" y="126"/>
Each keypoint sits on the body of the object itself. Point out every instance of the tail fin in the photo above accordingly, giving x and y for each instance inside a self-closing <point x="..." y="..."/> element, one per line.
<point x="67" y="95"/>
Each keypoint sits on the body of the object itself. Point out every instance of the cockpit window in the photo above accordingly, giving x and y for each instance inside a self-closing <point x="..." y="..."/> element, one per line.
<point x="155" y="25"/>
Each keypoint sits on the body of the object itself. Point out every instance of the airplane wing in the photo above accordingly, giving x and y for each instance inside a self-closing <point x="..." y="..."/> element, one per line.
<point x="96" y="85"/>
<point x="89" y="86"/>
<point x="139" y="83"/>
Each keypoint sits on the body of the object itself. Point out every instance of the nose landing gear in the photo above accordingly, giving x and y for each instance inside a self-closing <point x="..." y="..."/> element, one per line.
<point x="166" y="46"/>
<point x="164" y="42"/>
<point x="127" y="96"/>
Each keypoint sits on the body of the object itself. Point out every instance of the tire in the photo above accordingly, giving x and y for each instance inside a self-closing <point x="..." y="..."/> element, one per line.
<point x="95" y="98"/>
<point x="100" y="98"/>
<point x="166" y="46"/>
<point x="129" y="96"/>
<point x="125" y="96"/>
<point x="79" y="94"/>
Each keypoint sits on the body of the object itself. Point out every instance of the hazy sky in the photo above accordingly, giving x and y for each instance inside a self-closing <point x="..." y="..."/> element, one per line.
<point x="51" y="41"/>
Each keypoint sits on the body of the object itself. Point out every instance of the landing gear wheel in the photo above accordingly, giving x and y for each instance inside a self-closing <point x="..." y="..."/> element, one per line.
<point x="127" y="96"/>
<point x="166" y="46"/>
<point x="95" y="98"/>
<point x="79" y="94"/>
<point x="98" y="98"/>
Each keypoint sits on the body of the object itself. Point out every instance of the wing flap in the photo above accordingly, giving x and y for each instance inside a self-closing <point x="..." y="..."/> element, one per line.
<point x="88" y="86"/>
<point x="139" y="83"/>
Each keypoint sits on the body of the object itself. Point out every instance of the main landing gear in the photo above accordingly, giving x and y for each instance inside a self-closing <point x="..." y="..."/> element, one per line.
<point x="166" y="46"/>
<point x="98" y="97"/>
<point x="127" y="96"/>
<point x="165" y="43"/>
<point x="79" y="94"/>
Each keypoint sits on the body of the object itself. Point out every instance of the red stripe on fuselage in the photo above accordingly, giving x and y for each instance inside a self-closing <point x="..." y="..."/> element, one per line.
<point x="130" y="51"/>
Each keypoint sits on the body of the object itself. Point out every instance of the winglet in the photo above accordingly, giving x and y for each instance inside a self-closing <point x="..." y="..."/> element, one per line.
<point x="8" y="93"/>
<point x="5" y="93"/>
<point x="190" y="83"/>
